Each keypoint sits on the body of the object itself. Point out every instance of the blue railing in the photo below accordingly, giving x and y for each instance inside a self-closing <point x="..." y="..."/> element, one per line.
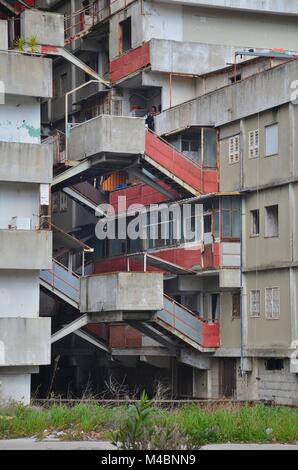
<point x="60" y="279"/>
<point x="182" y="320"/>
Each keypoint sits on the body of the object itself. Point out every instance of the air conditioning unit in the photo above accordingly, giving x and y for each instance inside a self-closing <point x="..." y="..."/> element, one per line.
<point x="20" y="223"/>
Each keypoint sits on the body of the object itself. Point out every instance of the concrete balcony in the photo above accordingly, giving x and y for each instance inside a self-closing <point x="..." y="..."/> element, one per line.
<point x="25" y="249"/>
<point x="25" y="341"/>
<point x="169" y="56"/>
<point x="25" y="75"/>
<point x="105" y="134"/>
<point x="132" y="292"/>
<point x="48" y="28"/>
<point x="28" y="163"/>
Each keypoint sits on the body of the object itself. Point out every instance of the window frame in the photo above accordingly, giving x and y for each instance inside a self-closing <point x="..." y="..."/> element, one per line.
<point x="254" y="144"/>
<point x="267" y="316"/>
<point x="234" y="155"/>
<point x="251" y="314"/>
<point x="234" y="294"/>
<point x="275" y="124"/>
<point x="266" y="223"/>
<point x="252" y="234"/>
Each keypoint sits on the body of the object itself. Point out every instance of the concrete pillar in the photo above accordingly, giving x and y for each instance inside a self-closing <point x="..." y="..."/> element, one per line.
<point x="16" y="387"/>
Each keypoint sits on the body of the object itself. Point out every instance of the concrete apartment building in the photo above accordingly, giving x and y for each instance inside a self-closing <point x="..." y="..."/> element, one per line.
<point x="212" y="317"/>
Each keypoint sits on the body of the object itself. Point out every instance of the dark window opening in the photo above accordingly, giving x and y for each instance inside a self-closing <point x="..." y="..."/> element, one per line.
<point x="214" y="307"/>
<point x="234" y="79"/>
<point x="125" y="35"/>
<point x="236" y="305"/>
<point x="255" y="222"/>
<point x="274" y="364"/>
<point x="271" y="225"/>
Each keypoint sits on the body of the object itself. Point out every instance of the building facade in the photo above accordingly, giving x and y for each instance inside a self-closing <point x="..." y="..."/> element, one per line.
<point x="208" y="317"/>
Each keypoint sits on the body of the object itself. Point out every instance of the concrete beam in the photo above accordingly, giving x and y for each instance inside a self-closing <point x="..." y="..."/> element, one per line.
<point x="194" y="359"/>
<point x="152" y="183"/>
<point x="92" y="340"/>
<point x="70" y="328"/>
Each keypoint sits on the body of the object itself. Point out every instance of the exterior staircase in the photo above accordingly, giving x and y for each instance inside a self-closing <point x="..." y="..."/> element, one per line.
<point x="173" y="322"/>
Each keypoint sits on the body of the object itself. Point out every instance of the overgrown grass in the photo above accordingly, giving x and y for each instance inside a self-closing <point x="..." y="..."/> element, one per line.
<point x="197" y="426"/>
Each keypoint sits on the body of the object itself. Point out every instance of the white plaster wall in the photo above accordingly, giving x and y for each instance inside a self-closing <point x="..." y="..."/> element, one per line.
<point x="19" y="293"/>
<point x="19" y="200"/>
<point x="20" y="120"/>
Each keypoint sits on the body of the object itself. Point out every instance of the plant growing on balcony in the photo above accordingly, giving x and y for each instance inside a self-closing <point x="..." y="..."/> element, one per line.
<point x="20" y="43"/>
<point x="32" y="43"/>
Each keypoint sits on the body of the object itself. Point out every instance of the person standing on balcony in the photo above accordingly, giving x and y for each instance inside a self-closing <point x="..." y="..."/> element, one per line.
<point x="149" y="118"/>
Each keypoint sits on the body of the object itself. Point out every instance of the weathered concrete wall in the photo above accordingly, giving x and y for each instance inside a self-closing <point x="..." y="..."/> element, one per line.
<point x="25" y="249"/>
<point x="25" y="75"/>
<point x="32" y="338"/>
<point x="107" y="134"/>
<point x="265" y="6"/>
<point x="30" y="163"/>
<point x="234" y="102"/>
<point x="3" y="35"/>
<point x="278" y="385"/>
<point x="21" y="201"/>
<point x="189" y="57"/>
<point x="20" y="120"/>
<point x="229" y="326"/>
<point x="262" y="170"/>
<point x="263" y="334"/>
<point x="263" y="250"/>
<point x="48" y="28"/>
<point x="122" y="292"/>
<point x="19" y="293"/>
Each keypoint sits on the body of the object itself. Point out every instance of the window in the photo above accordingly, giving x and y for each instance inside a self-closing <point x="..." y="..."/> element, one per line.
<point x="255" y="223"/>
<point x="230" y="215"/>
<point x="234" y="79"/>
<point x="274" y="364"/>
<point x="272" y="303"/>
<point x="63" y="202"/>
<point x="271" y="221"/>
<point x="214" y="306"/>
<point x="234" y="149"/>
<point x="271" y="140"/>
<point x="253" y="138"/>
<point x="236" y="306"/>
<point x="125" y="35"/>
<point x="255" y="297"/>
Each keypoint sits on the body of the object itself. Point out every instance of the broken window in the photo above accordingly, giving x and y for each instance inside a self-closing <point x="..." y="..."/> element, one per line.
<point x="236" y="305"/>
<point x="254" y="222"/>
<point x="272" y="303"/>
<point x="271" y="221"/>
<point x="255" y="297"/>
<point x="125" y="35"/>
<point x="234" y="149"/>
<point x="231" y="220"/>
<point x="253" y="139"/>
<point x="271" y="140"/>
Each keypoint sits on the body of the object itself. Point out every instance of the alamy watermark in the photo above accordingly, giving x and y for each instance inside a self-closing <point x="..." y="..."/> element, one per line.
<point x="175" y="221"/>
